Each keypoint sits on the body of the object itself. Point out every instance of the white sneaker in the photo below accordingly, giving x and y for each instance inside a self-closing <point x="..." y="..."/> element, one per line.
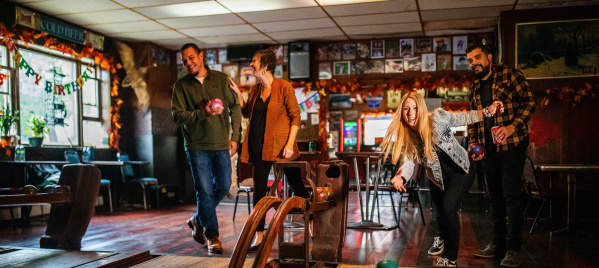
<point x="437" y="247"/>
<point x="446" y="262"/>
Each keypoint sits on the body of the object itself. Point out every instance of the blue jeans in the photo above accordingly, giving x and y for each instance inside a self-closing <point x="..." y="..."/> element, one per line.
<point x="211" y="172"/>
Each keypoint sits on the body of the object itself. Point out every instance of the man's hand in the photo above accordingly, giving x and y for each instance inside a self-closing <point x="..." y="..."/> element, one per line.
<point x="397" y="182"/>
<point x="232" y="148"/>
<point x="478" y="158"/>
<point x="211" y="112"/>
<point x="503" y="133"/>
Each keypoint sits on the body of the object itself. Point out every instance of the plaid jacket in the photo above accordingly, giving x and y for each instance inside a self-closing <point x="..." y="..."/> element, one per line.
<point x="511" y="88"/>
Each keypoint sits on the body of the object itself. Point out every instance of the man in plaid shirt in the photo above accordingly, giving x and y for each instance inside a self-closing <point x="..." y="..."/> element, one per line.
<point x="505" y="151"/>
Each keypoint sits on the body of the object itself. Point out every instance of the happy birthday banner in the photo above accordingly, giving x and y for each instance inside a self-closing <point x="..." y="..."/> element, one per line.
<point x="64" y="89"/>
<point x="311" y="101"/>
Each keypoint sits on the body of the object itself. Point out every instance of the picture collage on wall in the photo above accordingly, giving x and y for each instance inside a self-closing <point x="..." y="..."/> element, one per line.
<point x="430" y="54"/>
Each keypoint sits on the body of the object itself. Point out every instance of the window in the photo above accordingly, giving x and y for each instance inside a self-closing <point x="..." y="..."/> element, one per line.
<point x="75" y="117"/>
<point x="5" y="92"/>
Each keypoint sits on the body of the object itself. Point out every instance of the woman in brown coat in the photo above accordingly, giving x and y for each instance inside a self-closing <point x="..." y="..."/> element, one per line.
<point x="274" y="115"/>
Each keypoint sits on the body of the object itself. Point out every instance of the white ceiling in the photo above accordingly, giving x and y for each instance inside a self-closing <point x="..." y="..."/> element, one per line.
<point x="217" y="23"/>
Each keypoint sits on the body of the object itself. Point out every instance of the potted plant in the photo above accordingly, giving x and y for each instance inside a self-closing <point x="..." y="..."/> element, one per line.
<point x="7" y="119"/>
<point x="38" y="129"/>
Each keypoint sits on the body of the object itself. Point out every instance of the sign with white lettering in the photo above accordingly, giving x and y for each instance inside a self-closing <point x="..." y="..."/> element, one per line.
<point x="62" y="30"/>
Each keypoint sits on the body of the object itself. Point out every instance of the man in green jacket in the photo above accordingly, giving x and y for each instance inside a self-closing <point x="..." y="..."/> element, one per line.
<point x="208" y="142"/>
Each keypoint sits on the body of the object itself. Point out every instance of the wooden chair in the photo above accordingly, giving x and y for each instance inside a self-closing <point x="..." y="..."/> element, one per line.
<point x="533" y="189"/>
<point x="72" y="157"/>
<point x="130" y="178"/>
<point x="411" y="193"/>
<point x="244" y="171"/>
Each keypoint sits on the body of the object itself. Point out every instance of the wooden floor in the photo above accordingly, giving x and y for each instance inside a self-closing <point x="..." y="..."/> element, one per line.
<point x="165" y="232"/>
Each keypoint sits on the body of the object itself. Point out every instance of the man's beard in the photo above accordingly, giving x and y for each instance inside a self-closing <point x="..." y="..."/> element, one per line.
<point x="483" y="73"/>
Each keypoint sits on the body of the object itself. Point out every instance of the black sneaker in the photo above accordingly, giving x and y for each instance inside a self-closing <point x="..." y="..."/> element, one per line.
<point x="437" y="247"/>
<point x="512" y="259"/>
<point x="446" y="262"/>
<point x="490" y="251"/>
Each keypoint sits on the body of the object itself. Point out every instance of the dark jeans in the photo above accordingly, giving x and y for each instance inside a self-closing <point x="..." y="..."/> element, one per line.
<point x="447" y="202"/>
<point x="211" y="172"/>
<point x="261" y="171"/>
<point x="503" y="172"/>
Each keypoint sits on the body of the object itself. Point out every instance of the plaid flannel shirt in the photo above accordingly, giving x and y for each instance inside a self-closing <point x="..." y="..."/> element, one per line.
<point x="511" y="88"/>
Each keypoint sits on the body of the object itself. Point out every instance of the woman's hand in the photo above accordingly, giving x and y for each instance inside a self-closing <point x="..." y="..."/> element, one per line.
<point x="234" y="86"/>
<point x="494" y="107"/>
<point x="288" y="151"/>
<point x="397" y="182"/>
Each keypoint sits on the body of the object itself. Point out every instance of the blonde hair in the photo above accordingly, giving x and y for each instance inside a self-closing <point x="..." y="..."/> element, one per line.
<point x="399" y="139"/>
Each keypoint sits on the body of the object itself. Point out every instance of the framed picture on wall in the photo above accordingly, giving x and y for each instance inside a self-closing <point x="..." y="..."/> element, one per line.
<point x="362" y="50"/>
<point x="246" y="75"/>
<point x="349" y="51"/>
<point x="322" y="52"/>
<point x="406" y="47"/>
<point x="325" y="70"/>
<point x="423" y="45"/>
<point x="394" y="66"/>
<point x="411" y="64"/>
<point x="557" y="49"/>
<point x="460" y="63"/>
<point x="211" y="56"/>
<point x="334" y="51"/>
<point x="429" y="62"/>
<point x="341" y="68"/>
<point x="392" y="48"/>
<point x="232" y="70"/>
<point x="377" y="49"/>
<point x="359" y="67"/>
<point x="442" y="44"/>
<point x="443" y="62"/>
<point x="460" y="43"/>
<point x="222" y="55"/>
<point x="376" y="67"/>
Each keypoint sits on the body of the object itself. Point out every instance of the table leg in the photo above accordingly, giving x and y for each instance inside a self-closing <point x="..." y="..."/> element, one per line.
<point x="367" y="220"/>
<point x="567" y="229"/>
<point x="288" y="223"/>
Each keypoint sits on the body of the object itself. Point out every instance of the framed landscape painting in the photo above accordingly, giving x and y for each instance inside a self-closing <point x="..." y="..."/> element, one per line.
<point x="558" y="49"/>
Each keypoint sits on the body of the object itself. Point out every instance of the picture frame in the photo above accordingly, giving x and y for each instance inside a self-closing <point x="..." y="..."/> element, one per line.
<point x="246" y="75"/>
<point x="362" y="50"/>
<point x="429" y="62"/>
<point x="359" y="67"/>
<point x="406" y="47"/>
<point x="444" y="62"/>
<point x="322" y="52"/>
<point x="442" y="44"/>
<point x="412" y="63"/>
<point x="232" y="70"/>
<point x="556" y="49"/>
<point x="376" y="67"/>
<point x="460" y="43"/>
<point x="341" y="68"/>
<point x="222" y="56"/>
<point x="423" y="45"/>
<point x="349" y="51"/>
<point x="377" y="49"/>
<point x="325" y="70"/>
<point x="211" y="56"/>
<point x="460" y="63"/>
<point x="335" y="51"/>
<point x="392" y="48"/>
<point x="394" y="66"/>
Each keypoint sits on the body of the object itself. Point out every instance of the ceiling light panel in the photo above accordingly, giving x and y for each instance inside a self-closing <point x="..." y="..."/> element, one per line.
<point x="371" y="8"/>
<point x="61" y="7"/>
<point x="445" y="4"/>
<point x="102" y="17"/>
<point x="183" y="10"/>
<point x="262" y="5"/>
<point x="148" y="3"/>
<point x="294" y="25"/>
<point x="123" y="27"/>
<point x="401" y="17"/>
<point x="175" y="44"/>
<point x="202" y="21"/>
<point x="241" y="38"/>
<point x="220" y="30"/>
<point x="283" y="14"/>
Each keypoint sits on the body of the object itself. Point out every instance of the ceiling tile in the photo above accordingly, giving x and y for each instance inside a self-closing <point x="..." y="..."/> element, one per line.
<point x="294" y="25"/>
<point x="147" y="3"/>
<point x="531" y="4"/>
<point x="457" y="32"/>
<point x="444" y="4"/>
<point x="122" y="27"/>
<point x="392" y="18"/>
<point x="149" y="35"/>
<point x="204" y="21"/>
<point x="344" y="2"/>
<point x="284" y="14"/>
<point x="220" y="30"/>
<point x="262" y="5"/>
<point x="61" y="7"/>
<point x="386" y="36"/>
<point x="326" y="38"/>
<point x="305" y="34"/>
<point x="469" y="24"/>
<point x="101" y="17"/>
<point x="458" y="13"/>
<point x="240" y="38"/>
<point x="371" y="8"/>
<point x="183" y="10"/>
<point x="383" y="29"/>
<point x="176" y="43"/>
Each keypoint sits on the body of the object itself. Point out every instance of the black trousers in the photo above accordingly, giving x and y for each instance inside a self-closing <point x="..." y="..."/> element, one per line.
<point x="503" y="172"/>
<point x="261" y="171"/>
<point x="446" y="203"/>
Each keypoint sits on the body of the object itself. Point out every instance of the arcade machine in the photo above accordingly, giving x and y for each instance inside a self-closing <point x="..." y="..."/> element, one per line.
<point x="351" y="137"/>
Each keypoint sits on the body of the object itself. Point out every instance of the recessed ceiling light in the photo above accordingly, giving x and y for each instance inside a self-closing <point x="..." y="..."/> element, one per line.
<point x="262" y="5"/>
<point x="344" y="2"/>
<point x="184" y="10"/>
